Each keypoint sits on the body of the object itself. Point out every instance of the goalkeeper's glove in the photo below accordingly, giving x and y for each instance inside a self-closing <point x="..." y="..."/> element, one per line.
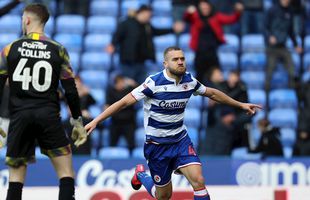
<point x="3" y="134"/>
<point x="79" y="135"/>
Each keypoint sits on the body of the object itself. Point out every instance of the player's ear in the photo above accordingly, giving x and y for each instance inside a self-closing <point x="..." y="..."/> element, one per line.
<point x="28" y="20"/>
<point x="165" y="63"/>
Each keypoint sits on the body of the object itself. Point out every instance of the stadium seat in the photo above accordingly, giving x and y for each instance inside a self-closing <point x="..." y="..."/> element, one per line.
<point x="288" y="152"/>
<point x="129" y="5"/>
<point x="140" y="136"/>
<point x="96" y="61"/>
<point x="290" y="44"/>
<point x="138" y="152"/>
<point x="75" y="61"/>
<point x="74" y="24"/>
<point x="228" y="61"/>
<point x="72" y="42"/>
<point x="107" y="7"/>
<point x="7" y="38"/>
<point x="122" y="142"/>
<point x="260" y="114"/>
<point x="253" y="80"/>
<point x="306" y="76"/>
<point x="49" y="27"/>
<point x="267" y="4"/>
<point x="39" y="155"/>
<point x="296" y="61"/>
<point x="105" y="137"/>
<point x="192" y="117"/>
<point x="189" y="59"/>
<point x="231" y="45"/>
<point x="94" y="110"/>
<point x="307" y="43"/>
<point x="99" y="96"/>
<point x="253" y="43"/>
<point x="279" y="80"/>
<point x="283" y="117"/>
<point x="184" y="42"/>
<point x="257" y="96"/>
<point x="195" y="102"/>
<point x="283" y="98"/>
<point x="164" y="41"/>
<point x="194" y="135"/>
<point x="140" y="118"/>
<point x="10" y="24"/>
<point x="95" y="139"/>
<point x="288" y="137"/>
<point x="114" y="153"/>
<point x="2" y="152"/>
<point x="242" y="153"/>
<point x="162" y="22"/>
<point x="253" y="61"/>
<point x="15" y="11"/>
<point x="101" y="24"/>
<point x="306" y="60"/>
<point x="94" y="78"/>
<point x="96" y="42"/>
<point x="162" y="7"/>
<point x="64" y="111"/>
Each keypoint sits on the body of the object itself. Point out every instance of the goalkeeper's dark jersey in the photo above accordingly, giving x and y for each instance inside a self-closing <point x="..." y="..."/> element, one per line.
<point x="34" y="65"/>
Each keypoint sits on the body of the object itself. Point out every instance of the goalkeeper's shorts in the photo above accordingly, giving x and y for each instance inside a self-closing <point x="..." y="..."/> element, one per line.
<point x="42" y="125"/>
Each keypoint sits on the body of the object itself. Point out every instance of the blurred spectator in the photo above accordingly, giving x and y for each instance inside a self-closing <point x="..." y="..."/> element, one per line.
<point x="236" y="89"/>
<point x="216" y="80"/>
<point x="9" y="6"/>
<point x="279" y="25"/>
<point x="302" y="145"/>
<point x="253" y="17"/>
<point x="124" y="122"/>
<point x="219" y="139"/>
<point x="179" y="7"/>
<point x="79" y="7"/>
<point x="269" y="143"/>
<point x="207" y="34"/>
<point x="86" y="100"/>
<point x="299" y="16"/>
<point x="134" y="37"/>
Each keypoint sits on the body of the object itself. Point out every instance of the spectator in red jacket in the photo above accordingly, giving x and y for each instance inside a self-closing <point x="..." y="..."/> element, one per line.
<point x="207" y="34"/>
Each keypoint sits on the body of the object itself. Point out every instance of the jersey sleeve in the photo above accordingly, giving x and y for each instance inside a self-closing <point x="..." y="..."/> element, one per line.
<point x="66" y="71"/>
<point x="3" y="60"/>
<point x="199" y="89"/>
<point x="146" y="89"/>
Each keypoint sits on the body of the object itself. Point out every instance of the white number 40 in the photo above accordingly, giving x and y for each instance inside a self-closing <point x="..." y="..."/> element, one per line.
<point x="23" y="75"/>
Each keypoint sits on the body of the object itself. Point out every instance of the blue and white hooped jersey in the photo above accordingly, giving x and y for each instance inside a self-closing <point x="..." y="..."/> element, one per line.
<point x="164" y="105"/>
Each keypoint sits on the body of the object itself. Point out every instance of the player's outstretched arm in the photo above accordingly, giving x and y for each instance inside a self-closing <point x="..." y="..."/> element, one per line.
<point x="114" y="108"/>
<point x="221" y="97"/>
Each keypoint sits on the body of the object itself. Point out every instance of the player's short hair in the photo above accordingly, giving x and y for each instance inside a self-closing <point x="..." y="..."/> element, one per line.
<point x="172" y="48"/>
<point x="39" y="10"/>
<point x="144" y="8"/>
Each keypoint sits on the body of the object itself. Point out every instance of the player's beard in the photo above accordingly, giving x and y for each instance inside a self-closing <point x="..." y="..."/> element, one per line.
<point x="177" y="72"/>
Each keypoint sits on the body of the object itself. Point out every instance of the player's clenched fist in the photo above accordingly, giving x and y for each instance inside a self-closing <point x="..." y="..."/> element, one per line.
<point x="79" y="135"/>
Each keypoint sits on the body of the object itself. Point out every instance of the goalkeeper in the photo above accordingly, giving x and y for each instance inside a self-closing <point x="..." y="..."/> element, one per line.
<point x="34" y="65"/>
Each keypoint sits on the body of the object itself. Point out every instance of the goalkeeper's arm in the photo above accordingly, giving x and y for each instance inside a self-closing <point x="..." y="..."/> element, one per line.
<point x="79" y="134"/>
<point x="2" y="83"/>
